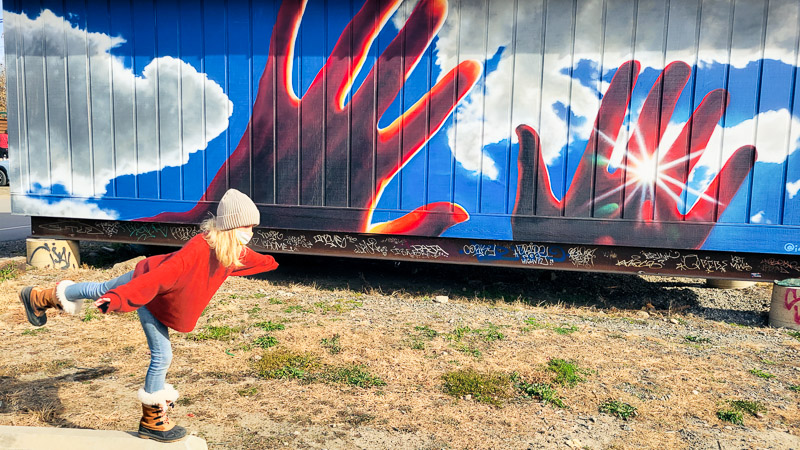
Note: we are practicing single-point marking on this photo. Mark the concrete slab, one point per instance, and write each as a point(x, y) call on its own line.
point(41, 438)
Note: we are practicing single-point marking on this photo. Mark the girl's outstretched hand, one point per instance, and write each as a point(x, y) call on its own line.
point(102, 304)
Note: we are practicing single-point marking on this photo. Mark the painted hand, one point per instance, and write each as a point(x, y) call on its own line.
point(649, 187)
point(320, 151)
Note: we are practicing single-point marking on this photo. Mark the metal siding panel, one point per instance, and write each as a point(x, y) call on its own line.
point(649, 46)
point(102, 118)
point(619, 34)
point(465, 190)
point(312, 57)
point(123, 103)
point(773, 129)
point(748, 21)
point(526, 102)
point(238, 51)
point(363, 149)
point(497, 107)
point(391, 195)
point(264, 15)
point(559, 29)
point(17, 148)
point(683, 37)
point(190, 48)
point(714, 16)
point(146, 85)
point(214, 61)
point(418, 83)
point(35, 111)
point(588, 44)
point(169, 102)
point(791, 206)
point(56, 84)
point(78, 109)
point(337, 139)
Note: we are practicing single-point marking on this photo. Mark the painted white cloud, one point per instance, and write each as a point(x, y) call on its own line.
point(793, 188)
point(157, 119)
point(540, 70)
point(69, 207)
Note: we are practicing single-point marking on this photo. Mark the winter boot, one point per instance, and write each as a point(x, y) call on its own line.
point(37, 300)
point(155, 423)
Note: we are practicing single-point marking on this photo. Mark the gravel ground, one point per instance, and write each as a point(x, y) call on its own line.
point(673, 347)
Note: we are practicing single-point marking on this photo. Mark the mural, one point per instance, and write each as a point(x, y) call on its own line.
point(615, 122)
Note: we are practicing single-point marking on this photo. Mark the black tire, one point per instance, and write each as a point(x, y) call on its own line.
point(3, 178)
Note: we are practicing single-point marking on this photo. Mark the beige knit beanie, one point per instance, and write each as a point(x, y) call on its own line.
point(236, 210)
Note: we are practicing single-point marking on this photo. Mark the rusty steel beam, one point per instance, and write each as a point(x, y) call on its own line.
point(538, 255)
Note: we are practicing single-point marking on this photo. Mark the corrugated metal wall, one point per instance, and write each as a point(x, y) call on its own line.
point(129, 101)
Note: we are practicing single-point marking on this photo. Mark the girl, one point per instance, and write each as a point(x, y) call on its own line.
point(168, 291)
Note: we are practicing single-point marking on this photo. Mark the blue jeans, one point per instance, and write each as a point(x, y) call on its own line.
point(157, 333)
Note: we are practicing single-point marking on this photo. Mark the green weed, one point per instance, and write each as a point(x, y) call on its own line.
point(214, 332)
point(730, 415)
point(566, 373)
point(426, 331)
point(283, 363)
point(8, 272)
point(265, 341)
point(543, 391)
point(489, 387)
point(333, 345)
point(565, 330)
point(296, 308)
point(794, 334)
point(91, 314)
point(353, 375)
point(751, 407)
point(761, 374)
point(259, 295)
point(270, 326)
point(469, 350)
point(696, 339)
point(35, 331)
point(254, 310)
point(275, 301)
point(247, 392)
point(794, 387)
point(619, 409)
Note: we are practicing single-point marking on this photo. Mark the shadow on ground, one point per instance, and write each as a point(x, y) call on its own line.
point(537, 287)
point(40, 397)
point(531, 286)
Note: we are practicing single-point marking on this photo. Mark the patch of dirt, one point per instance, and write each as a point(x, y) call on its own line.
point(673, 348)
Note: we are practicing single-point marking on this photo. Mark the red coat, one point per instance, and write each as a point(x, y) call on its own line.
point(176, 287)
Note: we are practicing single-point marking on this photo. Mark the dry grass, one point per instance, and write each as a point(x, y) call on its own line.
point(86, 373)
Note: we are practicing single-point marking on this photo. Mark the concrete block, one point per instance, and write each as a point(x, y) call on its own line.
point(41, 438)
point(53, 253)
point(784, 309)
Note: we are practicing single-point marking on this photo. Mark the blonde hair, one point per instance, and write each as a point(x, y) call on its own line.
point(226, 246)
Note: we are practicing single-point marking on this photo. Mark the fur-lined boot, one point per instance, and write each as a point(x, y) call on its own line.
point(155, 423)
point(37, 300)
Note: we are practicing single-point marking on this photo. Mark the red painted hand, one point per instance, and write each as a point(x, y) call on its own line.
point(320, 151)
point(648, 187)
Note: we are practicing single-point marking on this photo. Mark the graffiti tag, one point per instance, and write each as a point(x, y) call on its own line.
point(60, 258)
point(779, 265)
point(370, 247)
point(421, 251)
point(708, 265)
point(334, 241)
point(581, 256)
point(793, 303)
